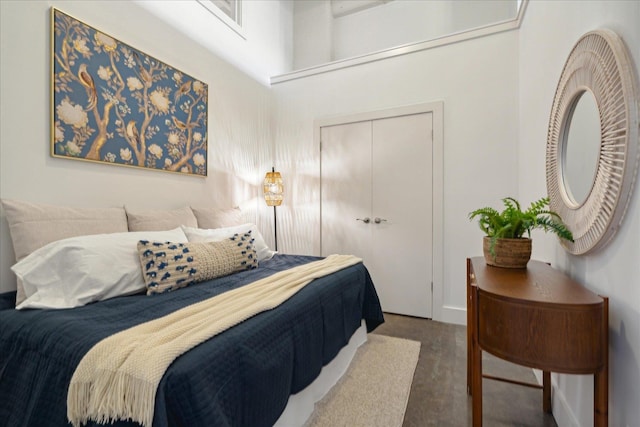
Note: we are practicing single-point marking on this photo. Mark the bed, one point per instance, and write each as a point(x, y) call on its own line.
point(242, 376)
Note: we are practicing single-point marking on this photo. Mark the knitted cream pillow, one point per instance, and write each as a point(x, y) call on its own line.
point(170, 266)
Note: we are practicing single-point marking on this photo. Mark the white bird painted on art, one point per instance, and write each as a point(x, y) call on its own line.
point(132, 132)
point(180, 125)
point(183, 90)
point(87, 81)
point(144, 74)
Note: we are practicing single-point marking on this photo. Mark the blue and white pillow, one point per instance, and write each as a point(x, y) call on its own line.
point(169, 266)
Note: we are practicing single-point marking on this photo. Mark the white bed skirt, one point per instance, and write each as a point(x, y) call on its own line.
point(300, 405)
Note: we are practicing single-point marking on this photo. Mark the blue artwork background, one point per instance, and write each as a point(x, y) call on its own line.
point(114, 104)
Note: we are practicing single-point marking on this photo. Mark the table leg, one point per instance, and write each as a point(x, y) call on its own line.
point(477, 388)
point(470, 327)
point(601, 378)
point(476, 368)
point(601, 400)
point(546, 391)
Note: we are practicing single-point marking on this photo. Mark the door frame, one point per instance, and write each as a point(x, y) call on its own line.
point(436, 108)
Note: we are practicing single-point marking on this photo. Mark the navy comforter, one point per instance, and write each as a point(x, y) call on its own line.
point(241, 377)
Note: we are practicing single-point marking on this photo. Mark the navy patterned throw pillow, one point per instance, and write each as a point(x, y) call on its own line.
point(169, 266)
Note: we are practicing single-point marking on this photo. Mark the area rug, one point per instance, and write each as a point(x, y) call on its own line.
point(375, 390)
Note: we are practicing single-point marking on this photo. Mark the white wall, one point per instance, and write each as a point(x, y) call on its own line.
point(472, 14)
point(264, 46)
point(312, 29)
point(319, 37)
point(239, 125)
point(478, 82)
point(389, 25)
point(407, 21)
point(549, 31)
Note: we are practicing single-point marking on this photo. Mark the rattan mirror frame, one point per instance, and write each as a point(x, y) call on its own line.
point(600, 63)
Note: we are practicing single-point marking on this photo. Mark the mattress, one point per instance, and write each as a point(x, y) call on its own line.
point(241, 377)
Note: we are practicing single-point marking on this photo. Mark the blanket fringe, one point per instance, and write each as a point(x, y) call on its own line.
point(114, 396)
point(76, 406)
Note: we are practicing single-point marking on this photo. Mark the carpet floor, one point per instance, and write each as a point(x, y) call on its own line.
point(375, 389)
point(439, 389)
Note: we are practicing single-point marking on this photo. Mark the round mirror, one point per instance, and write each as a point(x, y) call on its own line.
point(581, 148)
point(592, 142)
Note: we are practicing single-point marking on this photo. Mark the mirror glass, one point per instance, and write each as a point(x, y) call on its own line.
point(581, 148)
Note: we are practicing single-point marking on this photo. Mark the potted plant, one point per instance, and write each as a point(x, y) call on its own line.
point(504, 244)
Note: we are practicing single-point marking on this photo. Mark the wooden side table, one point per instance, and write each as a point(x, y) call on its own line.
point(539, 318)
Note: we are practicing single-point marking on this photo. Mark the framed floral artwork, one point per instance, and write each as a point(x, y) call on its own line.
point(114, 104)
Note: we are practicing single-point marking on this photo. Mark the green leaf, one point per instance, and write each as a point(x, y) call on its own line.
point(512, 222)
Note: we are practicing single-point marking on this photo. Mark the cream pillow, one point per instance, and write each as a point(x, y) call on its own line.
point(79, 270)
point(216, 234)
point(33, 225)
point(158, 220)
point(217, 218)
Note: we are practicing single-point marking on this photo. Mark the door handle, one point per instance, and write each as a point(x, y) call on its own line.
point(366, 220)
point(379, 220)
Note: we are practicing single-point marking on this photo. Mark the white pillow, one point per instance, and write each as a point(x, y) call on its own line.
point(217, 234)
point(79, 270)
point(33, 225)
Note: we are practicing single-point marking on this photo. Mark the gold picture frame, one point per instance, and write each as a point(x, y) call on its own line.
point(111, 103)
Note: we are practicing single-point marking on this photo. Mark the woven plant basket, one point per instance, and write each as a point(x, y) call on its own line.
point(510, 253)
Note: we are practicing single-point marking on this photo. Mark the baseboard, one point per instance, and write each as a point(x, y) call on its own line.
point(562, 412)
point(454, 315)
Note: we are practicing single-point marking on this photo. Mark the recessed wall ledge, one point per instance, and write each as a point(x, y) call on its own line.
point(473, 33)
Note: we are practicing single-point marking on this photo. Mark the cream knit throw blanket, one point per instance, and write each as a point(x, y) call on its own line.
point(118, 378)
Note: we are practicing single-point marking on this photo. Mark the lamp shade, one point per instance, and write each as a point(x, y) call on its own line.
point(273, 189)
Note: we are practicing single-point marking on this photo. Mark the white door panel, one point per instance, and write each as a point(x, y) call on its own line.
point(401, 242)
point(382, 169)
point(346, 189)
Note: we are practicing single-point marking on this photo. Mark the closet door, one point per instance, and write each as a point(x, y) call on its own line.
point(376, 203)
point(346, 189)
point(401, 259)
